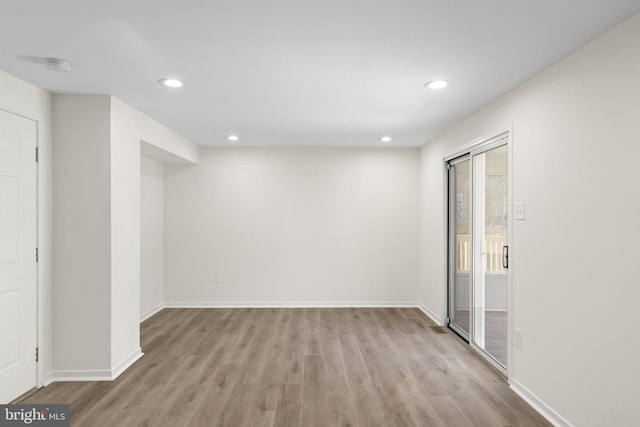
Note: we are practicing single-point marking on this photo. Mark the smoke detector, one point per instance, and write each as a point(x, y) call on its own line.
point(56, 64)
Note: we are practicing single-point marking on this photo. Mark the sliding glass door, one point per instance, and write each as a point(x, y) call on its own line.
point(478, 248)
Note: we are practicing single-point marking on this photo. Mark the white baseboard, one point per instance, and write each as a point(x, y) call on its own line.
point(543, 409)
point(81, 375)
point(98, 375)
point(147, 314)
point(126, 362)
point(461, 307)
point(47, 379)
point(288, 304)
point(431, 314)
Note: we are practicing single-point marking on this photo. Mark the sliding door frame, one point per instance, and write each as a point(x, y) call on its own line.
point(451, 235)
point(477, 146)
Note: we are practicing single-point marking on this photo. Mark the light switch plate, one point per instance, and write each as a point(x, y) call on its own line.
point(517, 338)
point(518, 211)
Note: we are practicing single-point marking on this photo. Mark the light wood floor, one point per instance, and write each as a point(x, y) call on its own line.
point(298, 367)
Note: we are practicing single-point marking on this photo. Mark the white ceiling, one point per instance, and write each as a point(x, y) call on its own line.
point(299, 72)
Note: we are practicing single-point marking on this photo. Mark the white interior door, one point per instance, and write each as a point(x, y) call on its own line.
point(18, 268)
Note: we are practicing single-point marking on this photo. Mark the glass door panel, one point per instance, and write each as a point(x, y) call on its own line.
point(490, 248)
point(460, 246)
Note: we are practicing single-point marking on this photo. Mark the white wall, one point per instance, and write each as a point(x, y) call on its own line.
point(24, 99)
point(293, 226)
point(151, 236)
point(576, 144)
point(81, 233)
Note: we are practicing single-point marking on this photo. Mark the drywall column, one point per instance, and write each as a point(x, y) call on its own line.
point(125, 238)
point(96, 239)
point(97, 231)
point(82, 235)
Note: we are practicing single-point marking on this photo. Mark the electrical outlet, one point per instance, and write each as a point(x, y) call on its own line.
point(517, 338)
point(217, 278)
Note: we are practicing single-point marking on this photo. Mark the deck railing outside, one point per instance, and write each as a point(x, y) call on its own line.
point(492, 250)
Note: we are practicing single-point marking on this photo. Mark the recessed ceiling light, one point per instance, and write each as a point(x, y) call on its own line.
point(56, 64)
point(385, 139)
point(436, 84)
point(171, 82)
point(232, 138)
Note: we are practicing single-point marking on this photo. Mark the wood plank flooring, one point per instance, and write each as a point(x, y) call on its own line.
point(297, 367)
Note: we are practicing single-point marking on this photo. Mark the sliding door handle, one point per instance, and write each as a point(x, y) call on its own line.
point(505, 256)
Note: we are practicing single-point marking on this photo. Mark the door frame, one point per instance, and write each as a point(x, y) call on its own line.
point(451, 269)
point(38, 229)
point(476, 146)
